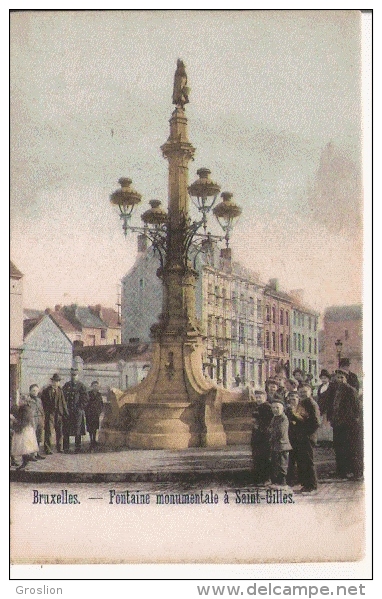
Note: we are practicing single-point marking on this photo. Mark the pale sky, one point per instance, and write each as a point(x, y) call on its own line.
point(269, 90)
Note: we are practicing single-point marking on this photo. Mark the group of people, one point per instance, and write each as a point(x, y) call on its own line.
point(62, 412)
point(286, 421)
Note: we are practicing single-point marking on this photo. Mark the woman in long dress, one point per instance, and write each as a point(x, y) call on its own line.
point(24, 441)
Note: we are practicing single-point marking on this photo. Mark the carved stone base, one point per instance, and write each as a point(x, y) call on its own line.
point(159, 426)
point(176, 407)
point(112, 438)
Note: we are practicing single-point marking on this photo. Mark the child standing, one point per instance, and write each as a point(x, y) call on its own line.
point(279, 441)
point(261, 452)
point(24, 442)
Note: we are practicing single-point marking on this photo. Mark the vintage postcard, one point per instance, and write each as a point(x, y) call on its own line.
point(187, 377)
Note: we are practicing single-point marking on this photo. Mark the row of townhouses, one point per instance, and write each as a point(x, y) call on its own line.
point(252, 330)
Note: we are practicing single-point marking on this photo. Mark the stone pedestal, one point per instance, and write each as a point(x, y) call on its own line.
point(159, 426)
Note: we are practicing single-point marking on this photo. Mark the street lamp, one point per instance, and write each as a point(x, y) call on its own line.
point(175, 406)
point(157, 227)
point(338, 345)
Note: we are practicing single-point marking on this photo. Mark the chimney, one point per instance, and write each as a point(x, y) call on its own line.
point(274, 283)
point(142, 243)
point(57, 307)
point(48, 311)
point(298, 295)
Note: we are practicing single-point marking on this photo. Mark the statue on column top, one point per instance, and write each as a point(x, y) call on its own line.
point(181, 91)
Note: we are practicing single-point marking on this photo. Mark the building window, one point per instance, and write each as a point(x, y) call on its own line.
point(234, 302)
point(281, 343)
point(281, 316)
point(315, 346)
point(251, 306)
point(218, 327)
point(234, 329)
point(310, 346)
point(241, 332)
point(287, 344)
point(294, 317)
point(299, 342)
point(309, 325)
point(310, 365)
point(250, 334)
point(273, 314)
point(268, 313)
point(303, 343)
point(267, 340)
point(103, 333)
point(141, 283)
point(294, 341)
point(294, 363)
point(303, 319)
point(242, 303)
point(287, 318)
point(346, 334)
point(315, 324)
point(259, 338)
point(259, 308)
point(303, 365)
point(299, 362)
point(209, 326)
point(260, 375)
point(273, 341)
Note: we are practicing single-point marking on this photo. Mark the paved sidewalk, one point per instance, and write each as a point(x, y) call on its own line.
point(228, 464)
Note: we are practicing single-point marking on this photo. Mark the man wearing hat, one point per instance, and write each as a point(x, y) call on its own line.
point(308, 417)
point(352, 378)
point(325, 393)
point(76, 398)
point(345, 420)
point(55, 410)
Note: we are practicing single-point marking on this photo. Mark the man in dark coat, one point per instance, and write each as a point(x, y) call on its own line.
point(76, 398)
point(55, 410)
point(325, 394)
point(261, 451)
point(304, 419)
point(345, 420)
point(352, 378)
point(93, 411)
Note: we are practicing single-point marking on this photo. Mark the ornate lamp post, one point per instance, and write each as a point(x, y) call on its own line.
point(338, 345)
point(175, 406)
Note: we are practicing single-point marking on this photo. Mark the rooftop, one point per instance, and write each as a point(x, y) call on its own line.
point(114, 353)
point(14, 272)
point(340, 313)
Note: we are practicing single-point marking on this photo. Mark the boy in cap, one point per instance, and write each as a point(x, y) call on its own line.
point(279, 441)
point(260, 438)
point(271, 387)
point(298, 376)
